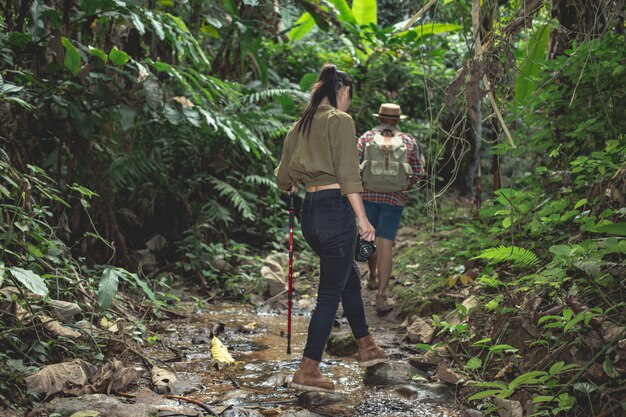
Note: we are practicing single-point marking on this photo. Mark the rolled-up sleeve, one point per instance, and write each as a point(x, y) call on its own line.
point(345, 153)
point(283, 180)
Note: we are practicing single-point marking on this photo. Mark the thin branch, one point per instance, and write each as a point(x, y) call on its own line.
point(418, 15)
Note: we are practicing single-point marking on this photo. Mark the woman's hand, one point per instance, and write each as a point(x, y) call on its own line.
point(366, 230)
point(294, 188)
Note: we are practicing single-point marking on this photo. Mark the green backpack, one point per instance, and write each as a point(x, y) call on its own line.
point(385, 167)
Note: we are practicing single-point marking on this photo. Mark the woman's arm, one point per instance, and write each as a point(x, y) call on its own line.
point(366, 230)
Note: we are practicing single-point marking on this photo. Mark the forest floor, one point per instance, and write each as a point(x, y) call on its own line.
point(197, 382)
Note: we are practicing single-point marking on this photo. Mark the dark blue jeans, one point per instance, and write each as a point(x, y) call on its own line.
point(329, 227)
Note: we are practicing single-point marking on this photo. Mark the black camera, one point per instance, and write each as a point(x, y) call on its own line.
point(364, 250)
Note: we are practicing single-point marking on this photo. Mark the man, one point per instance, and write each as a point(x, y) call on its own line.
point(385, 150)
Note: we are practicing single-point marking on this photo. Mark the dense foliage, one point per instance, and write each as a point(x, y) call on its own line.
point(138, 143)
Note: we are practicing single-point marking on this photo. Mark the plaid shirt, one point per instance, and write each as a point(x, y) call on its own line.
point(398, 198)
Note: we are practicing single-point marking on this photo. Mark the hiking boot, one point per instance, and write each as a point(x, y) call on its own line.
point(384, 304)
point(369, 352)
point(309, 378)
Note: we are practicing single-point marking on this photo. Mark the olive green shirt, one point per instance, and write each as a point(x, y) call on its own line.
point(328, 155)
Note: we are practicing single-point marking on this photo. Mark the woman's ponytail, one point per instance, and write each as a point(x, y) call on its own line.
point(329, 83)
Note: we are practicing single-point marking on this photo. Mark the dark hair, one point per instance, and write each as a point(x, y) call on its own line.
point(331, 80)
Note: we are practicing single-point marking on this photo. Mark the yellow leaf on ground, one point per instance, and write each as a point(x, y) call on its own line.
point(466, 279)
point(451, 281)
point(220, 352)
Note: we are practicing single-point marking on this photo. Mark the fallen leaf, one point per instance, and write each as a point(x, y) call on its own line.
point(53, 378)
point(220, 352)
point(508, 408)
point(65, 310)
point(147, 396)
point(162, 378)
point(419, 331)
point(57, 329)
point(111, 376)
point(445, 374)
point(466, 279)
point(470, 302)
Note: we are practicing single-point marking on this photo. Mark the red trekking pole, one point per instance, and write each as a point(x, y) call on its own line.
point(290, 287)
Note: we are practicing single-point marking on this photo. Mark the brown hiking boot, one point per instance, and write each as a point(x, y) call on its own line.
point(309, 378)
point(369, 352)
point(384, 304)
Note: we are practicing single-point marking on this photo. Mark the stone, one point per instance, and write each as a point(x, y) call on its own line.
point(99, 405)
point(320, 399)
point(241, 412)
point(390, 374)
point(342, 345)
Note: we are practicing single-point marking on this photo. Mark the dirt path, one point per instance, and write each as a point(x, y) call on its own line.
point(257, 383)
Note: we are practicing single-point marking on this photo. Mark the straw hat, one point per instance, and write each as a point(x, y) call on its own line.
point(390, 111)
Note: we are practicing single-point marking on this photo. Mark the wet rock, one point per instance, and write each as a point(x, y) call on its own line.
point(101, 404)
point(301, 413)
point(390, 374)
point(201, 339)
point(408, 391)
point(384, 407)
point(320, 399)
point(436, 393)
point(276, 380)
point(182, 387)
point(470, 413)
point(241, 412)
point(342, 345)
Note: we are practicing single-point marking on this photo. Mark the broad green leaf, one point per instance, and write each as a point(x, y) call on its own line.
point(230, 7)
point(618, 229)
point(72, 58)
point(30, 280)
point(498, 348)
point(580, 203)
point(302, 26)
point(527, 378)
point(607, 366)
point(533, 60)
point(98, 53)
point(474, 363)
point(108, 288)
point(220, 352)
point(430, 29)
point(141, 28)
point(585, 387)
point(307, 81)
point(364, 11)
point(484, 394)
point(345, 13)
point(118, 57)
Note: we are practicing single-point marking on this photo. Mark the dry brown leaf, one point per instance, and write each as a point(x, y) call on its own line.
point(470, 302)
point(147, 396)
point(53, 378)
point(112, 376)
point(64, 310)
point(161, 378)
point(445, 374)
point(419, 331)
point(57, 329)
point(508, 408)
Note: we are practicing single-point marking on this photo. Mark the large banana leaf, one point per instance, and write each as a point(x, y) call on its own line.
point(364, 11)
point(430, 29)
point(533, 58)
point(302, 26)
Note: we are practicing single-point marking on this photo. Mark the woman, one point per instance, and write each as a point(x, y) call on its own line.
point(320, 152)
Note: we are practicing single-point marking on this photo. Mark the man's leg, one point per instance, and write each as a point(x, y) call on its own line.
point(389, 221)
point(383, 303)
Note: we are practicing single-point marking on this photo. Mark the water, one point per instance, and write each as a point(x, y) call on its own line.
point(256, 384)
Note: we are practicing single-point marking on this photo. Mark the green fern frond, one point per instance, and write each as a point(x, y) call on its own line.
point(259, 180)
point(234, 196)
point(273, 92)
point(215, 213)
point(513, 254)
